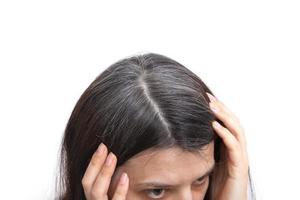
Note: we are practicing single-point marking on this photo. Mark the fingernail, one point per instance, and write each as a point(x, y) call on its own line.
point(109, 159)
point(211, 97)
point(216, 124)
point(124, 178)
point(100, 148)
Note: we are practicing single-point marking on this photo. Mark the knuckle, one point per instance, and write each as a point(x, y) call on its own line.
point(118, 196)
point(235, 145)
point(219, 104)
point(224, 117)
point(104, 173)
point(95, 194)
point(223, 128)
point(85, 183)
point(231, 120)
point(95, 159)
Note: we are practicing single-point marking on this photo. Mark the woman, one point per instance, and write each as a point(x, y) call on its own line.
point(148, 128)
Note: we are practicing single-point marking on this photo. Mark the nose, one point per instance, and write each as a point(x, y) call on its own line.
point(185, 194)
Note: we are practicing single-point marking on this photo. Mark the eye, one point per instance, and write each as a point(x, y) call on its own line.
point(156, 193)
point(201, 182)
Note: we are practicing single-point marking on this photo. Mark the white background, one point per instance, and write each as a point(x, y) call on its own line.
point(247, 52)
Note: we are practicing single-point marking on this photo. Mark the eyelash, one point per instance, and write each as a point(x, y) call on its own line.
point(200, 183)
point(151, 190)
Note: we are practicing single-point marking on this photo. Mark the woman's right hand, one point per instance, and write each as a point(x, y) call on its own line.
point(97, 177)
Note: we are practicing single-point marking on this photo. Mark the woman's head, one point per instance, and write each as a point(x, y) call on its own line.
point(170, 173)
point(145, 108)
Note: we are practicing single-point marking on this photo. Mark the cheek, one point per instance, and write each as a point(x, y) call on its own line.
point(199, 193)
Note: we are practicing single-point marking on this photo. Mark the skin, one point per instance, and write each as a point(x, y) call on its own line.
point(169, 166)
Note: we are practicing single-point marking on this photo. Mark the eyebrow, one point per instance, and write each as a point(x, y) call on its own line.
point(164, 185)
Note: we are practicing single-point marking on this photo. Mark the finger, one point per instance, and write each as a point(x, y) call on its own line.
point(122, 188)
point(103, 179)
point(94, 168)
point(218, 105)
point(229, 140)
point(236, 153)
point(221, 104)
point(227, 117)
point(234, 126)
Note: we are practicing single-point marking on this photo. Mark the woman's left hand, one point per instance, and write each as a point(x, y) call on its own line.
point(235, 185)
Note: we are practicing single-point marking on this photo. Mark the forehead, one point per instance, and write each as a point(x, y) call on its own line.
point(172, 164)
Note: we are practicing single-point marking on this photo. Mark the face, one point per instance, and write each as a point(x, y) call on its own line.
point(167, 174)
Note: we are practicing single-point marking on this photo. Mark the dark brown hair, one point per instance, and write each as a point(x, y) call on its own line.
point(139, 102)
